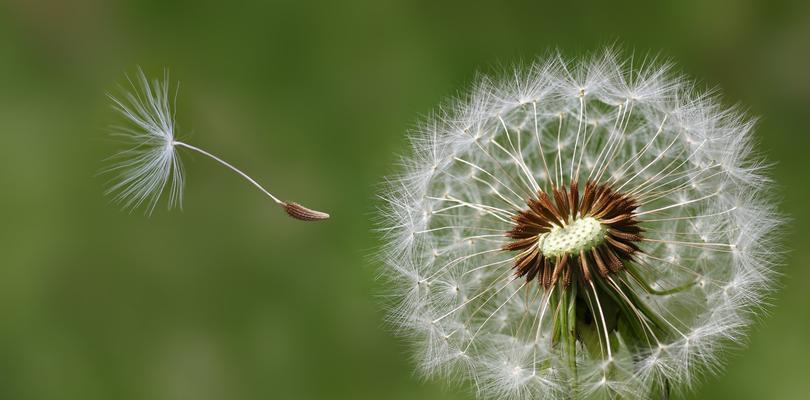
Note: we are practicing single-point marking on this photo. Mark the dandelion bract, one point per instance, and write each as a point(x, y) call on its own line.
point(151, 164)
point(588, 229)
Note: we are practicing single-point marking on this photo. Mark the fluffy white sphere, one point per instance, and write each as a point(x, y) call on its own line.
point(686, 284)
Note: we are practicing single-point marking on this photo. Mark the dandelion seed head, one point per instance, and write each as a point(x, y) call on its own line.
point(594, 227)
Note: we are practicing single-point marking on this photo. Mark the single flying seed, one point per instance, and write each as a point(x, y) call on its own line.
point(151, 164)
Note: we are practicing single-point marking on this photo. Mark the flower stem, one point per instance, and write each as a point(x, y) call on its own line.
point(570, 335)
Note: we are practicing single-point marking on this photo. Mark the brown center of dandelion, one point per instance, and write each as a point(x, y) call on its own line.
point(571, 236)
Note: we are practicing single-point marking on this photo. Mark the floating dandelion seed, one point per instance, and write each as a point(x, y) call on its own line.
point(151, 164)
point(583, 231)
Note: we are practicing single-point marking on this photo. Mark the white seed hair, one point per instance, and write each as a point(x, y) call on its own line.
point(705, 204)
point(144, 170)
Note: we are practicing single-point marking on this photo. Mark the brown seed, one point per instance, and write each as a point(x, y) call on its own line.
point(302, 213)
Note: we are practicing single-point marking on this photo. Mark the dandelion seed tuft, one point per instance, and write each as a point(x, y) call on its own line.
point(605, 229)
point(151, 163)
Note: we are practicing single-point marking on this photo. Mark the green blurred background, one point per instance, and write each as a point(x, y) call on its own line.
point(230, 299)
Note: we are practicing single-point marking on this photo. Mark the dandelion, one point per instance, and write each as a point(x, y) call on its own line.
point(590, 230)
point(151, 164)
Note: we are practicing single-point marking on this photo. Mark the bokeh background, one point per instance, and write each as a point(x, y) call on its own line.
point(230, 299)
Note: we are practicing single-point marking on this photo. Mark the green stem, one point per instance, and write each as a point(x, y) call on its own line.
point(562, 317)
point(571, 334)
point(555, 321)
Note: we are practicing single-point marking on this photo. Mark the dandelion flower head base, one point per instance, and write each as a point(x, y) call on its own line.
point(581, 234)
point(570, 235)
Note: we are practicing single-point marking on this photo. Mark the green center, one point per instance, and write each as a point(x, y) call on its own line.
point(582, 234)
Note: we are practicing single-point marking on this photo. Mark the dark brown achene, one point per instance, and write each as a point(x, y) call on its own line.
point(302, 213)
